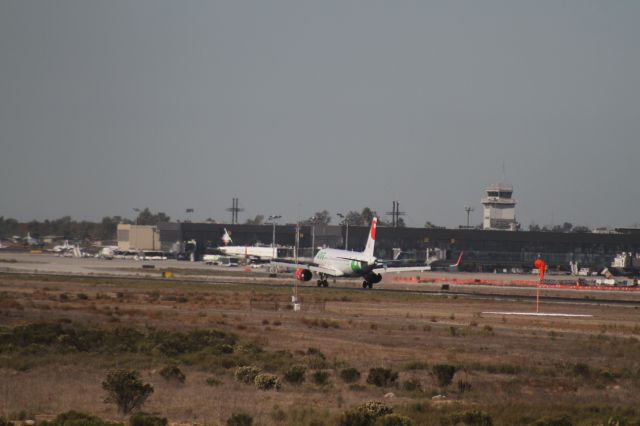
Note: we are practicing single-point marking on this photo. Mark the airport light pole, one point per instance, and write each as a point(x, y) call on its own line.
point(313, 236)
point(468, 209)
point(137, 210)
point(273, 220)
point(345, 220)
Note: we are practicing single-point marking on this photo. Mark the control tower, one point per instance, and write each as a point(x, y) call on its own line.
point(499, 208)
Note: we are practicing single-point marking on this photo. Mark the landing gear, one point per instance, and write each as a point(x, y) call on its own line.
point(366, 284)
point(322, 282)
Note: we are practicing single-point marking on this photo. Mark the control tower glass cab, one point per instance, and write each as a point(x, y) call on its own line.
point(499, 208)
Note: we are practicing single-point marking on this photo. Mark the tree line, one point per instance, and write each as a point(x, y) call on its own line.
point(70, 229)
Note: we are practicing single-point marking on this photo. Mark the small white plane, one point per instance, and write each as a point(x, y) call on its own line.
point(345, 263)
point(61, 248)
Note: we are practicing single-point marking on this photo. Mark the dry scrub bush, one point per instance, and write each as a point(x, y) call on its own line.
point(172, 373)
point(443, 374)
point(365, 414)
point(74, 418)
point(295, 374)
point(267, 382)
point(144, 419)
point(382, 377)
point(246, 374)
point(320, 377)
point(350, 375)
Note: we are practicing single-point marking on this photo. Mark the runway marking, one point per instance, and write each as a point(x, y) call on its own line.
point(539, 314)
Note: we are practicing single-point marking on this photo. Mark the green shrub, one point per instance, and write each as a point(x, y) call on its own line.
point(581, 369)
point(295, 374)
point(555, 421)
point(144, 419)
point(212, 381)
point(393, 420)
point(246, 374)
point(126, 390)
point(5, 422)
point(320, 377)
point(365, 414)
point(350, 375)
point(472, 418)
point(240, 419)
point(382, 377)
point(267, 382)
point(173, 373)
point(444, 374)
point(412, 385)
point(75, 418)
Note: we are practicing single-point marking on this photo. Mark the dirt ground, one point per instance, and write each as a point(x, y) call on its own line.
point(502, 360)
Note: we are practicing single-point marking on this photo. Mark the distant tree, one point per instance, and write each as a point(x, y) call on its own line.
point(534, 227)
point(368, 215)
point(400, 223)
point(354, 218)
point(319, 218)
point(258, 220)
point(145, 217)
point(429, 225)
point(566, 227)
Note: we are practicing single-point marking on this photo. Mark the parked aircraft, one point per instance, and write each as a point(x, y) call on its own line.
point(61, 248)
point(29, 240)
point(345, 263)
point(439, 266)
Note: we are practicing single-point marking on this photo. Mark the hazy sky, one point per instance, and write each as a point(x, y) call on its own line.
point(295, 107)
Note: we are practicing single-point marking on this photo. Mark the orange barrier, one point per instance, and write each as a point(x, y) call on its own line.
point(510, 283)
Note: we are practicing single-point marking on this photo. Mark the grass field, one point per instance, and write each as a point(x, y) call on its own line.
point(59, 337)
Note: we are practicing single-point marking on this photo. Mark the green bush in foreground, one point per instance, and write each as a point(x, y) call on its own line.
point(267, 382)
point(126, 390)
point(75, 418)
point(320, 377)
point(144, 419)
point(5, 422)
point(393, 420)
point(246, 374)
point(295, 374)
point(444, 374)
point(172, 373)
point(473, 417)
point(350, 375)
point(366, 414)
point(382, 377)
point(240, 419)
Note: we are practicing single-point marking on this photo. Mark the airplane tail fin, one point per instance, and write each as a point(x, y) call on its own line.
point(226, 238)
point(459, 259)
point(371, 241)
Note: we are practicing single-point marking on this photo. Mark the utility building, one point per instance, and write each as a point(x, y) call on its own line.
point(499, 208)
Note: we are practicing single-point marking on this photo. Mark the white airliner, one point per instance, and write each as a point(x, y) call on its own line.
point(344, 263)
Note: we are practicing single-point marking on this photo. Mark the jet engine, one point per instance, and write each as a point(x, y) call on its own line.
point(373, 278)
point(303, 274)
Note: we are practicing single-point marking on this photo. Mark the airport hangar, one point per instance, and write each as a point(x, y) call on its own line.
point(484, 250)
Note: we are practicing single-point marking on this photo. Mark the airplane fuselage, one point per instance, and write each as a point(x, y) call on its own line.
point(344, 262)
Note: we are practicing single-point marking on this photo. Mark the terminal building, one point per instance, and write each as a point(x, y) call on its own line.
point(484, 250)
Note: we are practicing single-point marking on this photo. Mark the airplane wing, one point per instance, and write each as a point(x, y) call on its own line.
point(382, 269)
point(310, 266)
